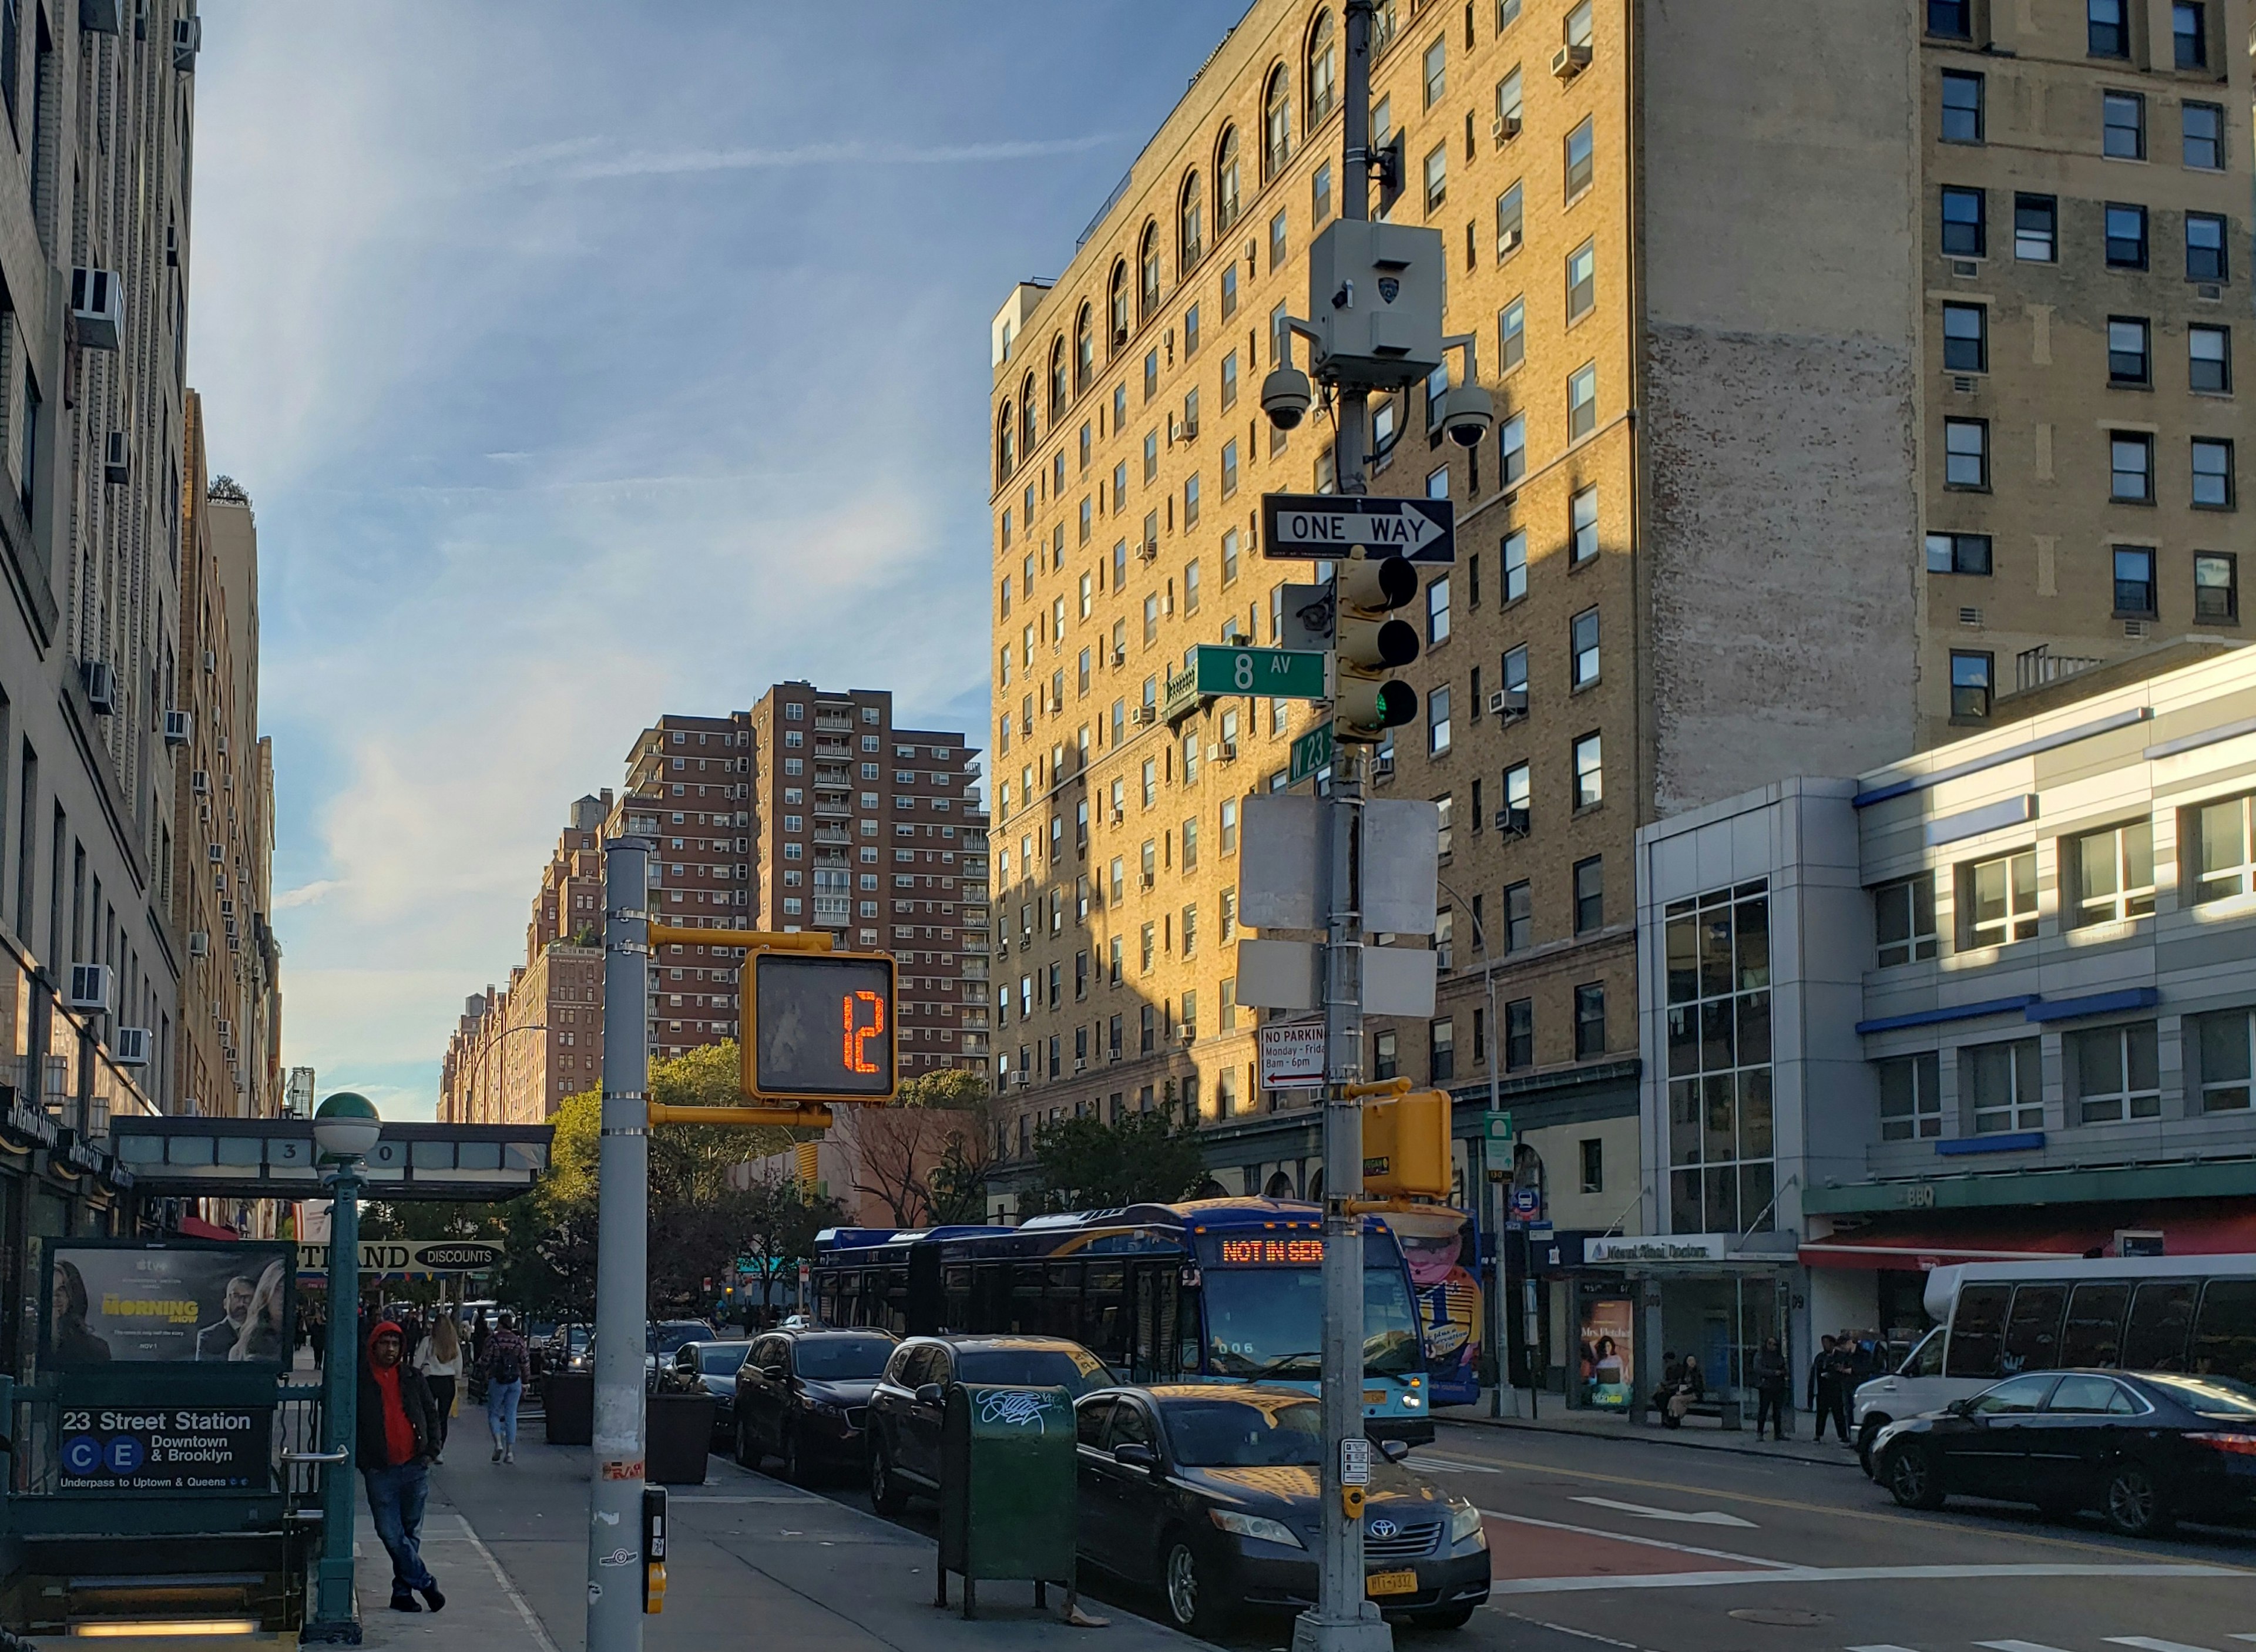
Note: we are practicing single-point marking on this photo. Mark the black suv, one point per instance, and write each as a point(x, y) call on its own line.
point(906, 1407)
point(801, 1396)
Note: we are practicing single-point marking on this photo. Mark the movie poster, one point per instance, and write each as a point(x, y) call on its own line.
point(1609, 1362)
point(148, 1304)
point(1444, 1253)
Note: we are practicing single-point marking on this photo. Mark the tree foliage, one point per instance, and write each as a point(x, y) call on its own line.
point(1086, 1164)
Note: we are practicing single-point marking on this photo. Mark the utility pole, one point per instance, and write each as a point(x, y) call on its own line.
point(615, 1556)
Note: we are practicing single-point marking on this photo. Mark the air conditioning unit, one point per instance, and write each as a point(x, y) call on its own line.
point(1190, 430)
point(1080, 1065)
point(97, 307)
point(101, 687)
point(1512, 822)
point(222, 746)
point(1148, 879)
point(1119, 336)
point(1141, 714)
point(1148, 551)
point(188, 40)
point(178, 726)
point(200, 943)
point(1019, 1080)
point(1113, 1056)
point(1570, 61)
point(1118, 815)
point(117, 458)
point(200, 782)
point(129, 1046)
point(1223, 751)
point(1508, 703)
point(1507, 242)
point(101, 16)
point(90, 987)
point(1505, 128)
point(1186, 1035)
point(2134, 628)
point(1119, 656)
point(1383, 764)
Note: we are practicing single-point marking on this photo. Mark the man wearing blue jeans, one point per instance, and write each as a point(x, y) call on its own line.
point(507, 1362)
point(396, 1437)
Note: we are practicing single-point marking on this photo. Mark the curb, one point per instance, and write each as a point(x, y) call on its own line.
point(1655, 1437)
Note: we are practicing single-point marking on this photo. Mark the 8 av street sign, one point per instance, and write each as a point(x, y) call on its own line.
point(1284, 674)
point(1326, 526)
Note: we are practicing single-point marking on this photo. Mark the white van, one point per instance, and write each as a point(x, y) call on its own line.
point(2135, 1313)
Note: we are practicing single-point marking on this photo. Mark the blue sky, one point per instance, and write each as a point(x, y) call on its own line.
point(585, 361)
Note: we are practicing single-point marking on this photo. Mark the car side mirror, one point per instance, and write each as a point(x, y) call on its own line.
point(1136, 1455)
point(931, 1393)
point(1960, 1407)
point(775, 1372)
point(1394, 1451)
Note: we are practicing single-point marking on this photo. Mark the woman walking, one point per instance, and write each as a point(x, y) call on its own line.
point(439, 1357)
point(505, 1362)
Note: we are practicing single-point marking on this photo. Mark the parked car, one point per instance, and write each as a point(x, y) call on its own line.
point(567, 1349)
point(1210, 1495)
point(905, 1406)
point(2143, 1448)
point(712, 1366)
point(804, 1396)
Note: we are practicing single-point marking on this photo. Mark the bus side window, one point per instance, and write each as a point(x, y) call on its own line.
point(2224, 1334)
point(1977, 1332)
point(991, 1296)
point(2033, 1328)
point(1025, 1310)
point(2161, 1313)
point(2094, 1333)
point(1101, 1319)
point(955, 1297)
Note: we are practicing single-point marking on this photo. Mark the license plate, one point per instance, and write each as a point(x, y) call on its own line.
point(1391, 1583)
point(1374, 1396)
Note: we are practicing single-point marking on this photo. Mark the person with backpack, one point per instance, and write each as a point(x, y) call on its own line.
point(505, 1363)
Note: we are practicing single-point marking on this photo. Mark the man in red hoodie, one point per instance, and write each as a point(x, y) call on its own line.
point(397, 1434)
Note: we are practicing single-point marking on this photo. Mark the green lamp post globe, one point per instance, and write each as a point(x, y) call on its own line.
point(346, 1127)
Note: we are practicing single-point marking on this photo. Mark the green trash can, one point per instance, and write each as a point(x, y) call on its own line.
point(1009, 1503)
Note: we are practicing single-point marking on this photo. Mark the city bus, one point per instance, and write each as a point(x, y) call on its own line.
point(1215, 1290)
point(1442, 1245)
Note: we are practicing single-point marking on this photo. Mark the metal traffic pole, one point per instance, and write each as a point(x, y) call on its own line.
point(615, 1606)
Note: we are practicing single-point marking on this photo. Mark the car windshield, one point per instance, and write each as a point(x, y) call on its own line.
point(1268, 1322)
point(2211, 1396)
point(841, 1358)
point(1247, 1433)
point(721, 1358)
point(667, 1337)
point(1074, 1369)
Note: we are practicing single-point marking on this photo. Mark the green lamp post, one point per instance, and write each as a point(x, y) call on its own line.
point(346, 1127)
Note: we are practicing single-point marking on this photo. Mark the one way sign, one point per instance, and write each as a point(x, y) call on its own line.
point(1326, 526)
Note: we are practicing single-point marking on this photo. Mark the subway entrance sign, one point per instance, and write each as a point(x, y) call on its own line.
point(1282, 674)
point(819, 1025)
point(1328, 527)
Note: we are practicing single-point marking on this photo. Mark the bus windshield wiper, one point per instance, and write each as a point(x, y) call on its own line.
point(1278, 1364)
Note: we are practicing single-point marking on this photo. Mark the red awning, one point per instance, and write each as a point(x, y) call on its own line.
point(196, 1228)
point(2188, 1227)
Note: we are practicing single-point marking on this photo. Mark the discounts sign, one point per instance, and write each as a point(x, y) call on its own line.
point(115, 1448)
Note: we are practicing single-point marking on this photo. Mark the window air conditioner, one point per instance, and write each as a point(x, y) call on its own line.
point(1570, 61)
point(117, 458)
point(101, 16)
point(200, 943)
point(1383, 764)
point(178, 726)
point(1512, 822)
point(97, 307)
point(90, 987)
point(1190, 429)
point(1148, 879)
point(1119, 656)
point(1118, 815)
point(1223, 751)
point(101, 687)
point(1080, 1065)
point(1186, 1034)
point(129, 1046)
point(1019, 1080)
point(188, 40)
point(227, 1032)
point(1507, 242)
point(217, 852)
point(200, 782)
point(1141, 714)
point(1508, 703)
point(211, 660)
point(1505, 128)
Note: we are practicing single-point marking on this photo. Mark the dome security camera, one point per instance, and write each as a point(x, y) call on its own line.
point(1467, 413)
point(1286, 396)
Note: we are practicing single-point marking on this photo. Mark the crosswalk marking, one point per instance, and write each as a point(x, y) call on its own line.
point(2017, 1645)
point(2146, 1643)
point(1878, 1645)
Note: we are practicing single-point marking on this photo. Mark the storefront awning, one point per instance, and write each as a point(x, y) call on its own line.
point(2188, 1227)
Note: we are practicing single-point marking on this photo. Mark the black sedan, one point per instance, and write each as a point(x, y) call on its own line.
point(1210, 1495)
point(712, 1366)
point(804, 1396)
point(906, 1406)
point(2144, 1448)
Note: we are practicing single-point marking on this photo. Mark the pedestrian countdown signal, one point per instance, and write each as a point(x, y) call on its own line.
point(819, 1025)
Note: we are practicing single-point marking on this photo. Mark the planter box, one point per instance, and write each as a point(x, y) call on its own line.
point(568, 1404)
point(680, 1432)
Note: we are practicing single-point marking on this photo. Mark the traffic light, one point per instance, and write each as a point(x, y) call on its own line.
point(1405, 1146)
point(1367, 704)
point(818, 1027)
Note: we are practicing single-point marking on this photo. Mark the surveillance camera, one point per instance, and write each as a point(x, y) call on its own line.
point(1286, 396)
point(1468, 412)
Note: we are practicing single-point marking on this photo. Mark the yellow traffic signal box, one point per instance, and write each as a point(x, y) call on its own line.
point(1405, 1146)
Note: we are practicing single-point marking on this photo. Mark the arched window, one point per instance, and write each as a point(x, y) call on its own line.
point(1118, 303)
point(1057, 379)
point(1190, 218)
point(1148, 273)
point(1226, 193)
point(1323, 71)
point(1006, 453)
point(1026, 429)
point(1276, 123)
point(1084, 349)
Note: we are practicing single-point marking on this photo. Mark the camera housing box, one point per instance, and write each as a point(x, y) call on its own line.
point(1375, 302)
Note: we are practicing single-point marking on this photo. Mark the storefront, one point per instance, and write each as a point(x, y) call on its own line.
point(1639, 1305)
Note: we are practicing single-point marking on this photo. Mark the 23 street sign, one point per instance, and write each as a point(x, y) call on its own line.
point(1326, 526)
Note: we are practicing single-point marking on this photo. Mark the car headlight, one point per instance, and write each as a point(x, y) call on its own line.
point(1269, 1531)
point(1465, 1521)
point(1410, 1402)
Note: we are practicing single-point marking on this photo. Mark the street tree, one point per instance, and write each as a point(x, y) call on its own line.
point(775, 1222)
point(1085, 1163)
point(924, 1158)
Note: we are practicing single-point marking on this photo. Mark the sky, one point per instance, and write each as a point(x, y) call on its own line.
point(587, 361)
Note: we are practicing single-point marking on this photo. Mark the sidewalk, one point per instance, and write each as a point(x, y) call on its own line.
point(1699, 1433)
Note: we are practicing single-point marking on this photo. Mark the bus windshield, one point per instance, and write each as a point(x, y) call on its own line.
point(1263, 1323)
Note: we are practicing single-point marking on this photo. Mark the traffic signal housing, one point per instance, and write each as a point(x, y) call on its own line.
point(817, 1026)
point(1406, 1147)
point(1366, 702)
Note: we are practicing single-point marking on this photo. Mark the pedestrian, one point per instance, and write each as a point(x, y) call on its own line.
point(398, 1435)
point(439, 1357)
point(1846, 1378)
point(1824, 1382)
point(1772, 1382)
point(479, 1332)
point(505, 1362)
point(1690, 1386)
point(317, 1326)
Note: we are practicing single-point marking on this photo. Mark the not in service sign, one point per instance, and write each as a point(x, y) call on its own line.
point(205, 1448)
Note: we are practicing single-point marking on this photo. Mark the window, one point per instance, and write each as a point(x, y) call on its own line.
point(2212, 474)
point(2131, 476)
point(1911, 1099)
point(1577, 28)
point(1965, 338)
point(1437, 610)
point(2107, 28)
point(1519, 918)
point(1962, 108)
point(1590, 771)
point(1437, 720)
point(1518, 792)
point(1229, 291)
point(1514, 551)
point(2126, 237)
point(1229, 826)
point(1229, 471)
point(1903, 920)
point(2117, 1077)
point(2216, 587)
point(1436, 67)
point(2204, 246)
point(2122, 126)
point(1581, 158)
point(2224, 1043)
point(2225, 865)
point(1512, 442)
point(1190, 239)
point(2134, 581)
point(1966, 453)
point(1583, 648)
point(2114, 873)
point(1277, 241)
point(1958, 552)
point(1999, 899)
point(1385, 1055)
point(1953, 19)
point(1191, 501)
point(1437, 176)
point(2128, 361)
point(1511, 223)
point(1509, 104)
point(1964, 235)
point(2208, 358)
point(2188, 35)
point(1511, 335)
point(2036, 228)
point(1147, 285)
point(1582, 280)
point(2003, 1087)
point(1589, 1021)
point(1970, 685)
point(1590, 894)
point(1384, 431)
point(1320, 195)
point(2204, 136)
point(1582, 401)
point(1442, 1045)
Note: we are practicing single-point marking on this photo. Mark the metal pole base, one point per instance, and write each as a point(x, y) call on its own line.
point(330, 1632)
point(1369, 1633)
